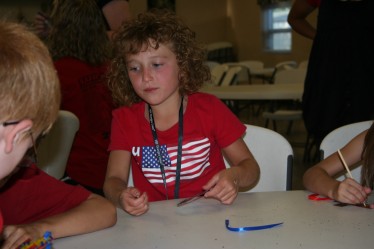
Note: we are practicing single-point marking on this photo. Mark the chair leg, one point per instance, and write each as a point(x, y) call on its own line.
point(317, 156)
point(311, 142)
point(289, 127)
point(249, 76)
point(306, 157)
point(259, 108)
point(274, 125)
point(252, 109)
point(266, 123)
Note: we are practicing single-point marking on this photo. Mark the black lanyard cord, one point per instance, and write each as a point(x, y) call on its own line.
point(158, 150)
point(179, 157)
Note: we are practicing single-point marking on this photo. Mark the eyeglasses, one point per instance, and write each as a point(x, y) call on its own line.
point(34, 155)
point(31, 153)
point(10, 123)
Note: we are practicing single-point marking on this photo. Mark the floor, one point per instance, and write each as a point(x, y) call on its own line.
point(297, 139)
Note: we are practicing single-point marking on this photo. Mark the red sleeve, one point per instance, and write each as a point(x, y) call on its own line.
point(1, 222)
point(118, 131)
point(314, 3)
point(126, 121)
point(228, 128)
point(31, 195)
point(219, 119)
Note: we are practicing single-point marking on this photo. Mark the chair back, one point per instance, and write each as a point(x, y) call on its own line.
point(53, 150)
point(274, 155)
point(130, 181)
point(231, 76)
point(290, 76)
point(218, 73)
point(284, 65)
point(338, 138)
point(221, 51)
point(211, 64)
point(303, 64)
point(248, 67)
point(252, 64)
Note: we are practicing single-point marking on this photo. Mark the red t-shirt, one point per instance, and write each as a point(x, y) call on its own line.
point(85, 93)
point(1, 223)
point(31, 195)
point(208, 127)
point(314, 3)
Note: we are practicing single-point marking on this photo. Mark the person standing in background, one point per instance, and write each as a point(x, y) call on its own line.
point(81, 51)
point(339, 83)
point(297, 17)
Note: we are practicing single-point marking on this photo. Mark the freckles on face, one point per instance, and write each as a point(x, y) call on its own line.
point(153, 70)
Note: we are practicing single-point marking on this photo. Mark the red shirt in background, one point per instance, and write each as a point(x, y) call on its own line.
point(314, 3)
point(1, 223)
point(85, 93)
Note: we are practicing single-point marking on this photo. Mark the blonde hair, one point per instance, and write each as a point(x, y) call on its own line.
point(29, 86)
point(161, 27)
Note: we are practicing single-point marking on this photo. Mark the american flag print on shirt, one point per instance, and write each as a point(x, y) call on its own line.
point(195, 159)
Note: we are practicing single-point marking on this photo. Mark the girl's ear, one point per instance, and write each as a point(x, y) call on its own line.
point(15, 132)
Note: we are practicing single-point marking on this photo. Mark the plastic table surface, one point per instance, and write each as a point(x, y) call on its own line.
point(201, 224)
point(257, 91)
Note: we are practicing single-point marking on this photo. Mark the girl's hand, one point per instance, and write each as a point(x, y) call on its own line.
point(351, 192)
point(14, 236)
point(223, 187)
point(133, 202)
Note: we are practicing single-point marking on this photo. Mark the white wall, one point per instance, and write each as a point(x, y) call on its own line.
point(237, 21)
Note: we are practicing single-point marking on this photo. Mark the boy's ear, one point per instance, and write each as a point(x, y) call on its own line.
point(15, 132)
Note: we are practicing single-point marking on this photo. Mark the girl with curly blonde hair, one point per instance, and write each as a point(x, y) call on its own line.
point(171, 135)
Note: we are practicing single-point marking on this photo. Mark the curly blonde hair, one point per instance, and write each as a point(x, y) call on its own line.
point(150, 30)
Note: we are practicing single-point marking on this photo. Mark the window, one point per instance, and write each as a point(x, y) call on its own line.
point(277, 33)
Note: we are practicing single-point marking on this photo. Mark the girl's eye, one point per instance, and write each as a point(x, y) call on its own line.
point(133, 69)
point(157, 64)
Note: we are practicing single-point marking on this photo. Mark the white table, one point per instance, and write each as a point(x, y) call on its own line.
point(201, 225)
point(257, 91)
